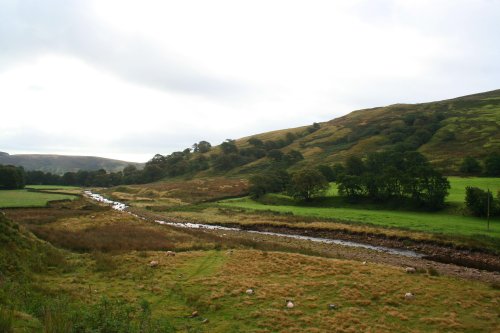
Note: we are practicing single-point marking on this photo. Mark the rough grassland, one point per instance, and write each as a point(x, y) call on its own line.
point(24, 198)
point(369, 297)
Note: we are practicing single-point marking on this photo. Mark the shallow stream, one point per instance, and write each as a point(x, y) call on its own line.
point(122, 207)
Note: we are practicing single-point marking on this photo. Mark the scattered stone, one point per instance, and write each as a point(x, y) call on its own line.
point(364, 262)
point(409, 296)
point(249, 291)
point(204, 321)
point(410, 270)
point(289, 304)
point(332, 306)
point(153, 263)
point(170, 254)
point(194, 314)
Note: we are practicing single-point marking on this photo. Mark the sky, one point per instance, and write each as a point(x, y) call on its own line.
point(129, 79)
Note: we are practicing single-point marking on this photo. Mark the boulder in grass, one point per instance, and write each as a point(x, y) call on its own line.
point(170, 254)
point(154, 263)
point(289, 304)
point(409, 296)
point(249, 291)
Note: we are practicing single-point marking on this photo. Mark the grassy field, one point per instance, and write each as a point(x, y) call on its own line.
point(450, 222)
point(100, 290)
point(458, 185)
point(25, 198)
point(52, 187)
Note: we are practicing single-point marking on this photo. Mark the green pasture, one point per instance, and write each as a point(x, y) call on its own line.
point(52, 187)
point(25, 198)
point(458, 185)
point(451, 222)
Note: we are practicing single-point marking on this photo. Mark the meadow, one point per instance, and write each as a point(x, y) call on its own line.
point(26, 198)
point(109, 285)
point(451, 221)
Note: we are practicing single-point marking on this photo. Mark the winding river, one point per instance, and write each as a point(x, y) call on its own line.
point(122, 207)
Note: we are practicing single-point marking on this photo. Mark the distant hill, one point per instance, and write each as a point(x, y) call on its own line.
point(60, 164)
point(444, 131)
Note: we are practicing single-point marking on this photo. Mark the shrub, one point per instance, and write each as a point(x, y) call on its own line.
point(478, 200)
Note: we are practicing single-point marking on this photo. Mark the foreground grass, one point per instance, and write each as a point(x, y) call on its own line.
point(25, 198)
point(109, 283)
point(213, 283)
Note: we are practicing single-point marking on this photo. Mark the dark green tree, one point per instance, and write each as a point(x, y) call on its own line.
point(477, 201)
point(470, 165)
point(307, 183)
point(229, 147)
point(492, 165)
point(12, 177)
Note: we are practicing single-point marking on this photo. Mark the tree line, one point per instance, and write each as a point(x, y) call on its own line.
point(12, 177)
point(490, 166)
point(381, 177)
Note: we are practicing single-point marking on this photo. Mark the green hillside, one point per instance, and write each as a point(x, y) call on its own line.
point(444, 131)
point(60, 164)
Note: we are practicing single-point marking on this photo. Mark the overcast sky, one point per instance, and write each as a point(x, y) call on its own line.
point(128, 79)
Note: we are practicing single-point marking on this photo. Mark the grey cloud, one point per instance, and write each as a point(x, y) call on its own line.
point(36, 140)
point(30, 28)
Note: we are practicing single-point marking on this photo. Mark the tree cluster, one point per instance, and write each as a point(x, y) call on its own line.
point(303, 184)
point(12, 177)
point(481, 203)
point(472, 166)
point(394, 176)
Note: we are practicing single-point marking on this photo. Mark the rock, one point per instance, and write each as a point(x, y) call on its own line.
point(249, 291)
point(409, 296)
point(170, 254)
point(364, 262)
point(332, 306)
point(289, 304)
point(204, 321)
point(410, 270)
point(194, 314)
point(153, 263)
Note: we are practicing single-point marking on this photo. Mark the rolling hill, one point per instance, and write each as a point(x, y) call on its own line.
point(444, 131)
point(60, 164)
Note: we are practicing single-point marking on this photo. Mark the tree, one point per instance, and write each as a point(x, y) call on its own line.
point(229, 147)
point(307, 183)
point(327, 171)
point(477, 201)
point(492, 165)
point(202, 147)
point(293, 156)
point(354, 166)
point(256, 142)
point(275, 154)
point(470, 165)
point(12, 177)
point(272, 181)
